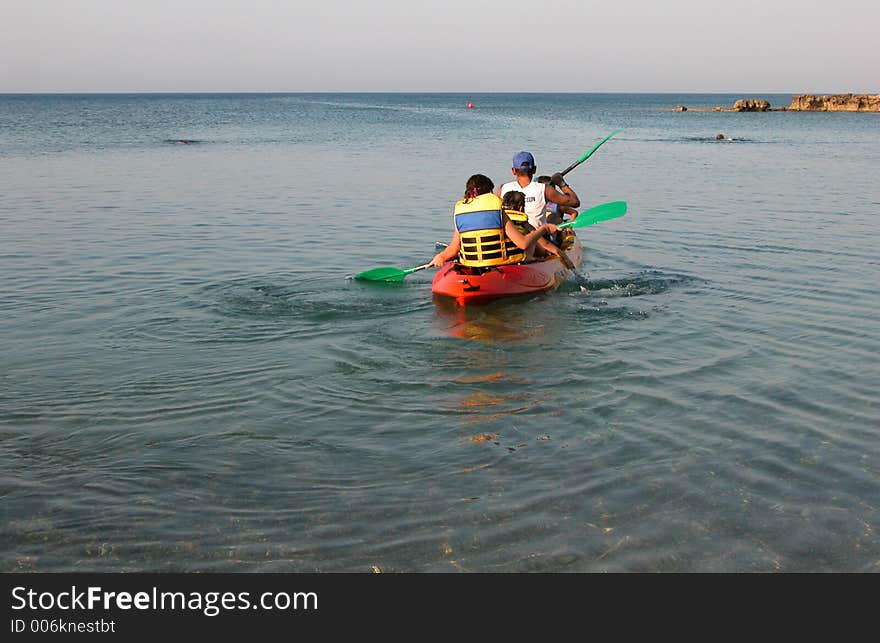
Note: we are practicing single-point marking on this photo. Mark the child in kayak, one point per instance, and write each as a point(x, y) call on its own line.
point(514, 206)
point(478, 211)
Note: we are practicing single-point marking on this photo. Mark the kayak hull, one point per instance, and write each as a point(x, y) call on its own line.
point(474, 286)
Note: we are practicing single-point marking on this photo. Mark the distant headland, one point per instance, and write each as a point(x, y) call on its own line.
point(800, 103)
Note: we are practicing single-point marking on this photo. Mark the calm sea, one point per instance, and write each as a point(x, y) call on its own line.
point(190, 380)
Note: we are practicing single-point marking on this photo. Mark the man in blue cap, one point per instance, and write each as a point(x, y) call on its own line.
point(538, 194)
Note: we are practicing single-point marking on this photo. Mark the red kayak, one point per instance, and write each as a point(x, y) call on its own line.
point(469, 285)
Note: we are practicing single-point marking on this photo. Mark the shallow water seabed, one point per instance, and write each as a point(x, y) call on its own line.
point(190, 382)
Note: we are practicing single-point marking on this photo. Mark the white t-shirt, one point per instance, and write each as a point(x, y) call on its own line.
point(536, 205)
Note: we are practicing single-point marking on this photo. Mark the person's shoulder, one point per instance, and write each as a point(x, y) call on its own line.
point(488, 199)
point(492, 199)
point(511, 185)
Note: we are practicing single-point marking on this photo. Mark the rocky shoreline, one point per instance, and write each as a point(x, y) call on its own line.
point(800, 103)
point(835, 103)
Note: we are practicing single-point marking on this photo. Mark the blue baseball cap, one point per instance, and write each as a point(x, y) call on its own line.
point(523, 161)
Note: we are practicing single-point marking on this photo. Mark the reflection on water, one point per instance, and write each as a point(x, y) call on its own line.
point(472, 379)
point(481, 407)
point(526, 318)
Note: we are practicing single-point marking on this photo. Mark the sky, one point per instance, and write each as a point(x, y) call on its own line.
point(476, 46)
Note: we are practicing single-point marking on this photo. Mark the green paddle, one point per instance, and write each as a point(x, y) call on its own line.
point(588, 154)
point(389, 274)
point(603, 212)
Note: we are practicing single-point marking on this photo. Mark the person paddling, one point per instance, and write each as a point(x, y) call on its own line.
point(538, 194)
point(484, 235)
point(556, 212)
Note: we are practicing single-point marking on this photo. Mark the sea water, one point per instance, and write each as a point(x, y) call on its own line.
point(191, 381)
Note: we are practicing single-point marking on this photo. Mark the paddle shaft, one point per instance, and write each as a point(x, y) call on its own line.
point(417, 268)
point(588, 154)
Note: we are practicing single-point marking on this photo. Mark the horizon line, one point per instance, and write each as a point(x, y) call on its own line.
point(456, 92)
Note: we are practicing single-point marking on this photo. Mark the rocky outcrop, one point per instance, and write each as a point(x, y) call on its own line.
point(742, 105)
point(751, 105)
point(835, 103)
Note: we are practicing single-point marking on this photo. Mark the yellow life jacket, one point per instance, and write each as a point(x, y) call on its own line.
point(520, 220)
point(480, 228)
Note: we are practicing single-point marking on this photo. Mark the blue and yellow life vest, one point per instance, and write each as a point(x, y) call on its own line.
point(480, 228)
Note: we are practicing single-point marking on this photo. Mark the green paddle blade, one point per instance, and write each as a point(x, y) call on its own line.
point(388, 273)
point(603, 212)
point(383, 274)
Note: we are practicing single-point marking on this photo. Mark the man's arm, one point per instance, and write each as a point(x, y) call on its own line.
point(566, 197)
